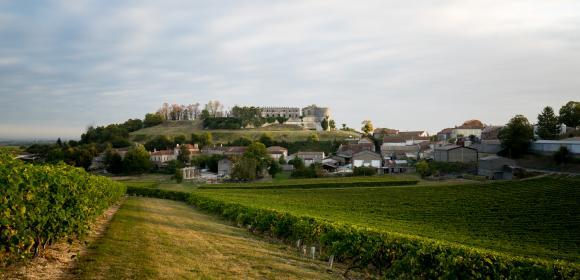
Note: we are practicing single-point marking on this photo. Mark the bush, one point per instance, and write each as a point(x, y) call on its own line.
point(364, 171)
point(562, 155)
point(44, 203)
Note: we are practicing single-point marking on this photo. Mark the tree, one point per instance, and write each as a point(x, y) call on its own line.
point(113, 162)
point(274, 168)
point(214, 108)
point(245, 168)
point(516, 136)
point(178, 176)
point(160, 142)
point(258, 152)
point(205, 139)
point(266, 139)
point(343, 126)
point(281, 120)
point(324, 124)
point(179, 139)
point(133, 124)
point(423, 169)
point(282, 160)
point(297, 163)
point(59, 142)
point(365, 171)
point(367, 126)
point(548, 125)
point(184, 155)
point(136, 160)
point(152, 120)
point(242, 141)
point(332, 124)
point(570, 114)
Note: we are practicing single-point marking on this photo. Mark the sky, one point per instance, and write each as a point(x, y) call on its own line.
point(409, 65)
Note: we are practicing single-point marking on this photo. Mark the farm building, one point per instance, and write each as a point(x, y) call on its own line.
point(496, 168)
point(367, 158)
point(454, 153)
point(488, 146)
point(549, 147)
point(395, 166)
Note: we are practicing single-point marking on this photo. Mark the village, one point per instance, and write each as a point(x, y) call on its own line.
point(471, 149)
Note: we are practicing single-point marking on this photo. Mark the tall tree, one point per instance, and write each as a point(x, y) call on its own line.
point(136, 160)
point(516, 136)
point(548, 124)
point(570, 114)
point(184, 155)
point(367, 126)
point(214, 108)
point(324, 124)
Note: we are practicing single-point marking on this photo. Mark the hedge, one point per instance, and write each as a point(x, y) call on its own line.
point(320, 185)
point(393, 256)
point(41, 204)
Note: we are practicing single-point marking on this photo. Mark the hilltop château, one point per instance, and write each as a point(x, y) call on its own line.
point(309, 117)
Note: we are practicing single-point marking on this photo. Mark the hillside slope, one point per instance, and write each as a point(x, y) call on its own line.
point(287, 133)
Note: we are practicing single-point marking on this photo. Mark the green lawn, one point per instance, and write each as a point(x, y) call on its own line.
point(533, 218)
point(163, 239)
point(278, 133)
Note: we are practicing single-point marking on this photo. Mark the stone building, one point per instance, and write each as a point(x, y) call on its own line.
point(313, 115)
point(292, 113)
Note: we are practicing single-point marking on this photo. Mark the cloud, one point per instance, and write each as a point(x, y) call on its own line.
point(407, 65)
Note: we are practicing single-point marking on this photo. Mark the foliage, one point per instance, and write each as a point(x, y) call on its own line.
point(281, 120)
point(324, 123)
point(570, 114)
point(548, 124)
point(364, 171)
point(332, 124)
point(245, 168)
point(179, 139)
point(282, 160)
point(248, 116)
point(367, 127)
point(297, 163)
point(326, 182)
point(284, 214)
point(113, 162)
point(160, 142)
point(222, 123)
point(203, 139)
point(242, 141)
point(184, 155)
point(136, 160)
point(516, 136)
point(313, 138)
point(178, 112)
point(423, 169)
point(266, 139)
point(173, 166)
point(562, 155)
point(315, 170)
point(42, 204)
point(207, 161)
point(116, 134)
point(152, 120)
point(133, 124)
point(274, 168)
point(443, 168)
point(178, 176)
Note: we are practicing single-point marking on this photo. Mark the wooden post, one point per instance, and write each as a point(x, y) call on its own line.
point(330, 261)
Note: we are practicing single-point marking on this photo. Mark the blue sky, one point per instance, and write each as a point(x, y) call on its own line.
point(65, 65)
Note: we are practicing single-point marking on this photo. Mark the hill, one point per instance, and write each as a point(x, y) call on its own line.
point(289, 133)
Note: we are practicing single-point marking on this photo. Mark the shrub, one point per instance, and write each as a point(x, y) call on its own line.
point(364, 171)
point(44, 203)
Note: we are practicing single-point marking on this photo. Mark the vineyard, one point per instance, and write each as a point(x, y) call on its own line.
point(536, 218)
point(319, 183)
point(41, 204)
point(525, 229)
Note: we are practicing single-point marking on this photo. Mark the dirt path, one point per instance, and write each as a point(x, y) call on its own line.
point(59, 259)
point(163, 239)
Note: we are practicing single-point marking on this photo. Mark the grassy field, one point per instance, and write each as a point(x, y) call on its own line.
point(330, 182)
point(163, 239)
point(532, 218)
point(278, 133)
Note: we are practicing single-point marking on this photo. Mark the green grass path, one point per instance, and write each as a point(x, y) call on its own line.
point(163, 239)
